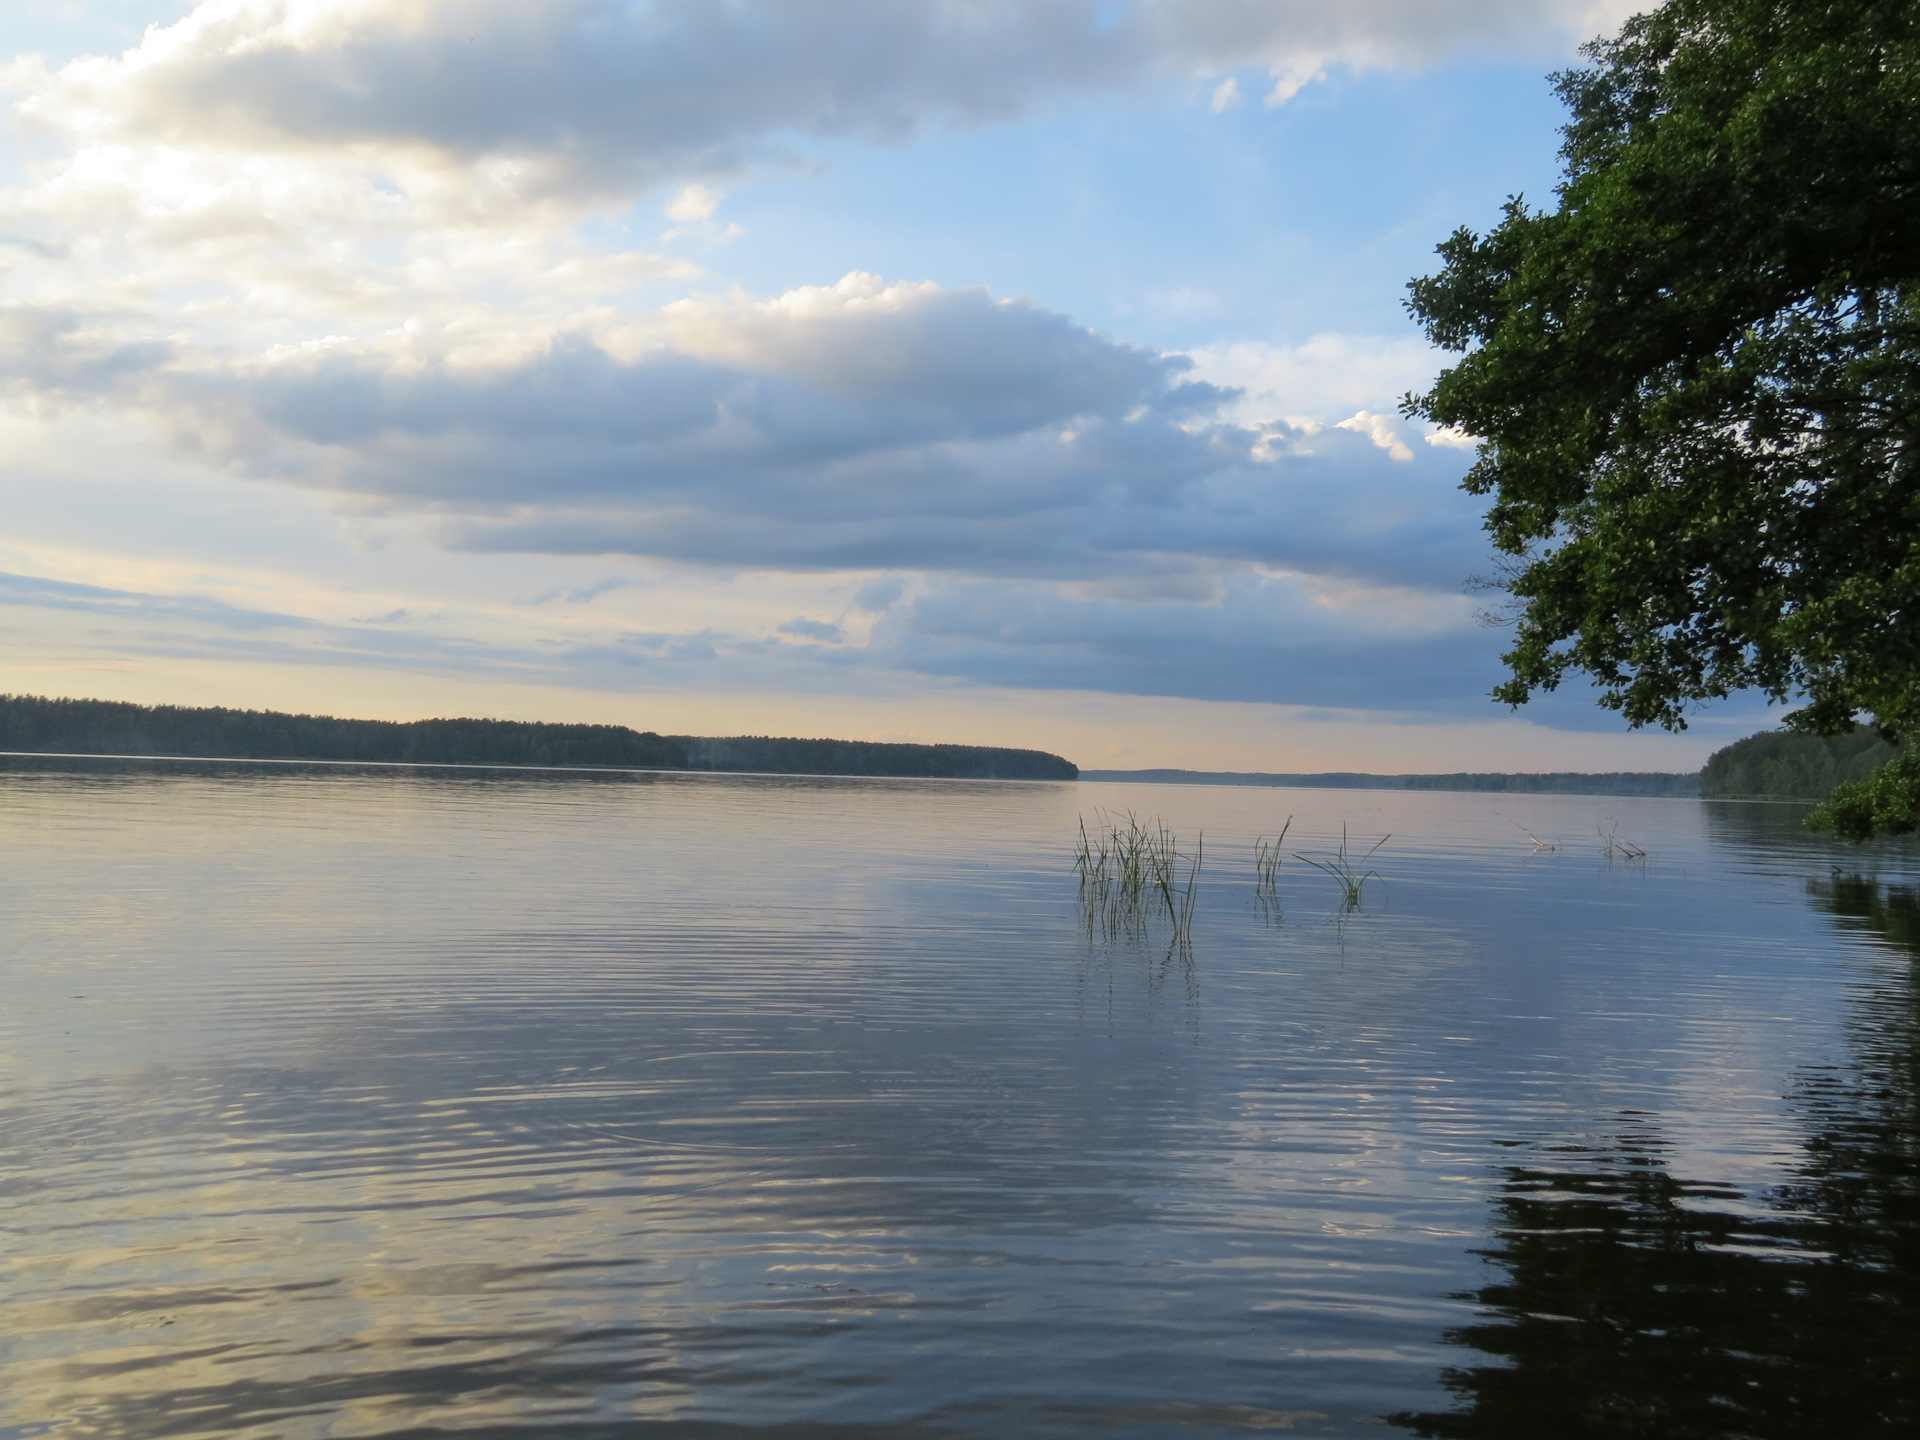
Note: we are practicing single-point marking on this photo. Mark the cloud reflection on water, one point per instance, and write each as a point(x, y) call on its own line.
point(705, 1105)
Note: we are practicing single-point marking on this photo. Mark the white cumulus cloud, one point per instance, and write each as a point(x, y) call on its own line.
point(694, 202)
point(534, 97)
point(371, 251)
point(1382, 430)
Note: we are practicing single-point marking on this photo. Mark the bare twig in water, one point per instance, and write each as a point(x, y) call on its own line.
point(1539, 845)
point(1614, 848)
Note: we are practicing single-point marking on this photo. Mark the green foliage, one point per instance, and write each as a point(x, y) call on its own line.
point(1267, 859)
point(776, 756)
point(108, 727)
point(1622, 782)
point(35, 724)
point(1698, 376)
point(1885, 803)
point(1125, 866)
point(1787, 765)
point(1346, 871)
point(1617, 782)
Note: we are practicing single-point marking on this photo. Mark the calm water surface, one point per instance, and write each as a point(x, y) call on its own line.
point(410, 1104)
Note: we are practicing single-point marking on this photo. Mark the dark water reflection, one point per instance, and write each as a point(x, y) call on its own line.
point(335, 1104)
point(1635, 1302)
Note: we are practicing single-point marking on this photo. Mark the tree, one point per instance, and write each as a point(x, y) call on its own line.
point(1697, 379)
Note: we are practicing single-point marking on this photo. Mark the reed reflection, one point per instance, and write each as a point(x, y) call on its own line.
point(1635, 1302)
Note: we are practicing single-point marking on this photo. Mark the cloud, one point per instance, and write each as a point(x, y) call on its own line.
point(694, 202)
point(859, 426)
point(1382, 430)
point(1282, 639)
point(579, 595)
point(34, 590)
point(1454, 439)
point(374, 249)
point(1326, 377)
point(924, 349)
point(535, 98)
point(126, 621)
point(1293, 75)
point(823, 630)
point(880, 595)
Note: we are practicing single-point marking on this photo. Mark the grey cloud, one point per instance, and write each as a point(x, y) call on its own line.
point(1257, 642)
point(588, 94)
point(876, 597)
point(1032, 508)
point(1254, 644)
point(1252, 641)
point(201, 627)
point(583, 595)
point(62, 352)
point(132, 604)
point(942, 350)
point(574, 392)
point(1102, 464)
point(865, 402)
point(806, 629)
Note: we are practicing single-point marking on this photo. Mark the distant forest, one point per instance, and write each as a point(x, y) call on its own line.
point(1783, 765)
point(1775, 765)
point(108, 727)
point(1626, 782)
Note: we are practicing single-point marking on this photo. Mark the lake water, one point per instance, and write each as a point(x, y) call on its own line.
point(336, 1103)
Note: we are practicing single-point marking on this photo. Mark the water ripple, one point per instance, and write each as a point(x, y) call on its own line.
point(335, 1104)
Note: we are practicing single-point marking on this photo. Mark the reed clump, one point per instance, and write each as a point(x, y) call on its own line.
point(1266, 863)
point(1132, 870)
point(1346, 871)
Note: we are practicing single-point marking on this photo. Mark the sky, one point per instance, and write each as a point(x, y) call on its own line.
point(935, 370)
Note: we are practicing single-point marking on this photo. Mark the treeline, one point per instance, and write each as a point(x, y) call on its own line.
point(110, 727)
point(1627, 782)
point(1340, 780)
point(1785, 765)
point(1569, 782)
point(1774, 765)
point(1780, 764)
point(35, 724)
point(775, 756)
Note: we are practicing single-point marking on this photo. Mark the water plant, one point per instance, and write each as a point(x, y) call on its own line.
point(1346, 872)
point(1130, 870)
point(1179, 899)
point(1266, 863)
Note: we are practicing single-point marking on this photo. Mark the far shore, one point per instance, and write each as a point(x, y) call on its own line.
point(1651, 783)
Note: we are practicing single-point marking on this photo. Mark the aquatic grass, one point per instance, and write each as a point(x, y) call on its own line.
point(1345, 871)
point(1179, 900)
point(1129, 870)
point(1266, 863)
